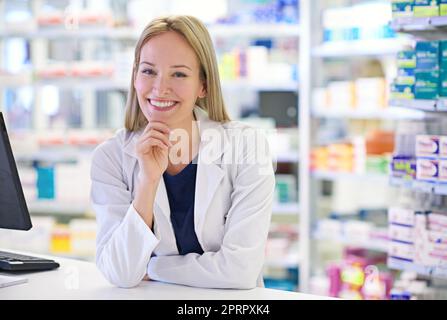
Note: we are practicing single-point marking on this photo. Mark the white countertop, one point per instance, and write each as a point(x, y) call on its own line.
point(76, 279)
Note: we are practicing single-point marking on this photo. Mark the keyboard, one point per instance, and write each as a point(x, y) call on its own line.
point(18, 262)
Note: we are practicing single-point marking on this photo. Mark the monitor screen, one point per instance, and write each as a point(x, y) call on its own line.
point(281, 106)
point(13, 210)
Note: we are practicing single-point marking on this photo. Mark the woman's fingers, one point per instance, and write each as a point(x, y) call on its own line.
point(157, 135)
point(152, 142)
point(148, 144)
point(160, 126)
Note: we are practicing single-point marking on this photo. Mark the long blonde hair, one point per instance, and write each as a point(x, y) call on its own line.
point(196, 34)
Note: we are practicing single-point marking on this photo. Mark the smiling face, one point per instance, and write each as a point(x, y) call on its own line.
point(167, 82)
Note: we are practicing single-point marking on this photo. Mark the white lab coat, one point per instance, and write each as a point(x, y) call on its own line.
point(233, 203)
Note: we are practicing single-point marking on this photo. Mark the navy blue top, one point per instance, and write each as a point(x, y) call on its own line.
point(181, 190)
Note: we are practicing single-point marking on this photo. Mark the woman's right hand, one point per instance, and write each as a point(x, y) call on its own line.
point(152, 151)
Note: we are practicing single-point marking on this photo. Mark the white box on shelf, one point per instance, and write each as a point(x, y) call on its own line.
point(427, 169)
point(329, 228)
point(319, 99)
point(427, 145)
point(341, 95)
point(435, 217)
point(257, 63)
point(370, 93)
point(358, 231)
point(401, 216)
point(442, 171)
point(437, 236)
point(401, 250)
point(443, 147)
point(401, 233)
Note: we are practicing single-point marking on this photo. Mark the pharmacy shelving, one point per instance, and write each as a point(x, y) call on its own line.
point(255, 30)
point(314, 54)
point(69, 33)
point(291, 157)
point(421, 186)
point(42, 43)
point(418, 23)
point(390, 113)
point(429, 28)
point(376, 245)
point(286, 208)
point(57, 208)
point(260, 86)
point(333, 176)
point(430, 271)
point(379, 47)
point(290, 261)
point(30, 31)
point(439, 105)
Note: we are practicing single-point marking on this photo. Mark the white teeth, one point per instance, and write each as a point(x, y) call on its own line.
point(164, 104)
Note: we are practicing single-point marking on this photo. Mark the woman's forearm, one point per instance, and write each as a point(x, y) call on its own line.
point(144, 199)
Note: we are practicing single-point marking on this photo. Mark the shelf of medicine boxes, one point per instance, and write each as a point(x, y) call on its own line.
point(332, 176)
point(375, 47)
point(339, 49)
point(378, 113)
point(408, 24)
point(426, 25)
point(17, 80)
point(439, 105)
point(376, 245)
point(291, 209)
point(421, 186)
point(55, 208)
point(431, 271)
point(216, 30)
point(429, 28)
point(29, 30)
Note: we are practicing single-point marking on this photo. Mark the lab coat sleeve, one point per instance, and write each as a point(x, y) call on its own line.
point(238, 263)
point(124, 242)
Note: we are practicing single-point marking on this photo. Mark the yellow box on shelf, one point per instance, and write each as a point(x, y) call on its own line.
point(60, 239)
point(426, 8)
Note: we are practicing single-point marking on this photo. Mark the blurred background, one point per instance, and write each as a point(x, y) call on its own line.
point(352, 95)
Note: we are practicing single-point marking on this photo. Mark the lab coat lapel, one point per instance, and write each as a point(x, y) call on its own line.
point(208, 180)
point(209, 170)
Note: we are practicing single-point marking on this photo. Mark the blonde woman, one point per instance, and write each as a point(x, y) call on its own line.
point(182, 194)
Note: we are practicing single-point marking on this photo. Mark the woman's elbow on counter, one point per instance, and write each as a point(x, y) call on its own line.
point(116, 277)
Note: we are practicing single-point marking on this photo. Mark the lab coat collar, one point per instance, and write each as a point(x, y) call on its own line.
point(213, 143)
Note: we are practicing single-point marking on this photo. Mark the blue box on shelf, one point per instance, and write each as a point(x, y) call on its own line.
point(443, 83)
point(443, 53)
point(403, 167)
point(401, 91)
point(402, 9)
point(406, 59)
point(426, 85)
point(427, 55)
point(45, 182)
point(405, 76)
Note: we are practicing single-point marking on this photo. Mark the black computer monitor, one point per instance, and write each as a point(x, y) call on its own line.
point(14, 212)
